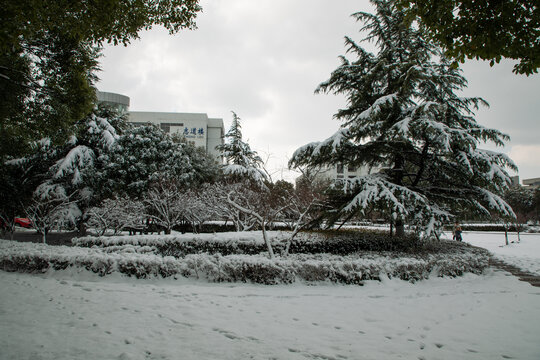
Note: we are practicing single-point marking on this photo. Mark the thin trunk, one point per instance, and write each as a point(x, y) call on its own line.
point(399, 164)
point(81, 229)
point(506, 234)
point(266, 241)
point(400, 228)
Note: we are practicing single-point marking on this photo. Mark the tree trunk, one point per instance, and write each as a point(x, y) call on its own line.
point(400, 228)
point(268, 245)
point(506, 234)
point(399, 163)
point(81, 228)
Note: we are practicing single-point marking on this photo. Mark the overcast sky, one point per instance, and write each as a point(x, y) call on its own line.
point(263, 60)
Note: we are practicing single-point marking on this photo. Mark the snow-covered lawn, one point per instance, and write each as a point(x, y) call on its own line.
point(524, 254)
point(78, 315)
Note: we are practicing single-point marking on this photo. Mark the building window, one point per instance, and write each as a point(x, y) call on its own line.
point(165, 127)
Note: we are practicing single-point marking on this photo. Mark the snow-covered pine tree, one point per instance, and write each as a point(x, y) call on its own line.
point(144, 155)
point(241, 161)
point(403, 114)
point(79, 163)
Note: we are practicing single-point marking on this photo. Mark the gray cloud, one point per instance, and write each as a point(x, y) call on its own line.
point(263, 59)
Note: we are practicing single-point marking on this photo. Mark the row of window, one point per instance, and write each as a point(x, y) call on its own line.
point(349, 169)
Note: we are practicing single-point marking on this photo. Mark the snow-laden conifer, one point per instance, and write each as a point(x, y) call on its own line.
point(404, 114)
point(241, 161)
point(144, 155)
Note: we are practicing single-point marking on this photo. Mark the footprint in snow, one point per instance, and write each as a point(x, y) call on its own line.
point(226, 333)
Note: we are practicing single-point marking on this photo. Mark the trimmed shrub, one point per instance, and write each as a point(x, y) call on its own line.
point(347, 269)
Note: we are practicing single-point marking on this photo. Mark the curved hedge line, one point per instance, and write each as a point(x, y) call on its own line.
point(350, 269)
point(316, 242)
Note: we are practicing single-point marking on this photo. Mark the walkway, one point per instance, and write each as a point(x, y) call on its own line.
point(532, 279)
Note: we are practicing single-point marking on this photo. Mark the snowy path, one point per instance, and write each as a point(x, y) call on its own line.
point(524, 255)
point(64, 316)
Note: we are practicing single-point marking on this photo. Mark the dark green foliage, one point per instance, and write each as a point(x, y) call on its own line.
point(48, 59)
point(406, 120)
point(524, 201)
point(449, 259)
point(241, 161)
point(144, 155)
point(113, 21)
point(483, 29)
point(46, 86)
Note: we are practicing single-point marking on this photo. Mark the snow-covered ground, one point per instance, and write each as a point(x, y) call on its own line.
point(524, 254)
point(67, 315)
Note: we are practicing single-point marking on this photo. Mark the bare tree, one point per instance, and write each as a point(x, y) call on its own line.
point(305, 203)
point(116, 215)
point(257, 203)
point(163, 205)
point(51, 208)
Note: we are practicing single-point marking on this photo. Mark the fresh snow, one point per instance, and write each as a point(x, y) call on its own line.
point(524, 254)
point(78, 315)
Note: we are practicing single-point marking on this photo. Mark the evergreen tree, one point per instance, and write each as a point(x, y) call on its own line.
point(46, 86)
point(241, 161)
point(144, 155)
point(48, 58)
point(521, 199)
point(404, 115)
point(73, 170)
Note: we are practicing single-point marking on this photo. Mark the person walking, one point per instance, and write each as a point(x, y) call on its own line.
point(457, 232)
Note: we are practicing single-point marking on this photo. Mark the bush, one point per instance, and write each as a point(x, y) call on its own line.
point(251, 243)
point(451, 259)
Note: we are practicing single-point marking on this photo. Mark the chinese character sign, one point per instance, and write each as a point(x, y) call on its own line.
point(193, 132)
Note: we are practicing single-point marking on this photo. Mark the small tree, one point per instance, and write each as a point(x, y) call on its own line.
point(116, 215)
point(257, 205)
point(241, 161)
point(163, 205)
point(52, 208)
point(306, 203)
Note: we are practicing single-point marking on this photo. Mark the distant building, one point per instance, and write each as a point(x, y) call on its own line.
point(533, 183)
point(116, 101)
point(341, 172)
point(197, 128)
point(514, 180)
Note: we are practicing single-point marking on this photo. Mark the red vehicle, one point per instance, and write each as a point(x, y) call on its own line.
point(22, 222)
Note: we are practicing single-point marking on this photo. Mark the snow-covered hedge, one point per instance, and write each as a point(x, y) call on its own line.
point(142, 263)
point(251, 243)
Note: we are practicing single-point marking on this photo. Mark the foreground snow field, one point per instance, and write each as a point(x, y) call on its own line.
point(61, 316)
point(78, 315)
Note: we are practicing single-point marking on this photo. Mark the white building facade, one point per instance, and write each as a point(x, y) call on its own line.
point(197, 128)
